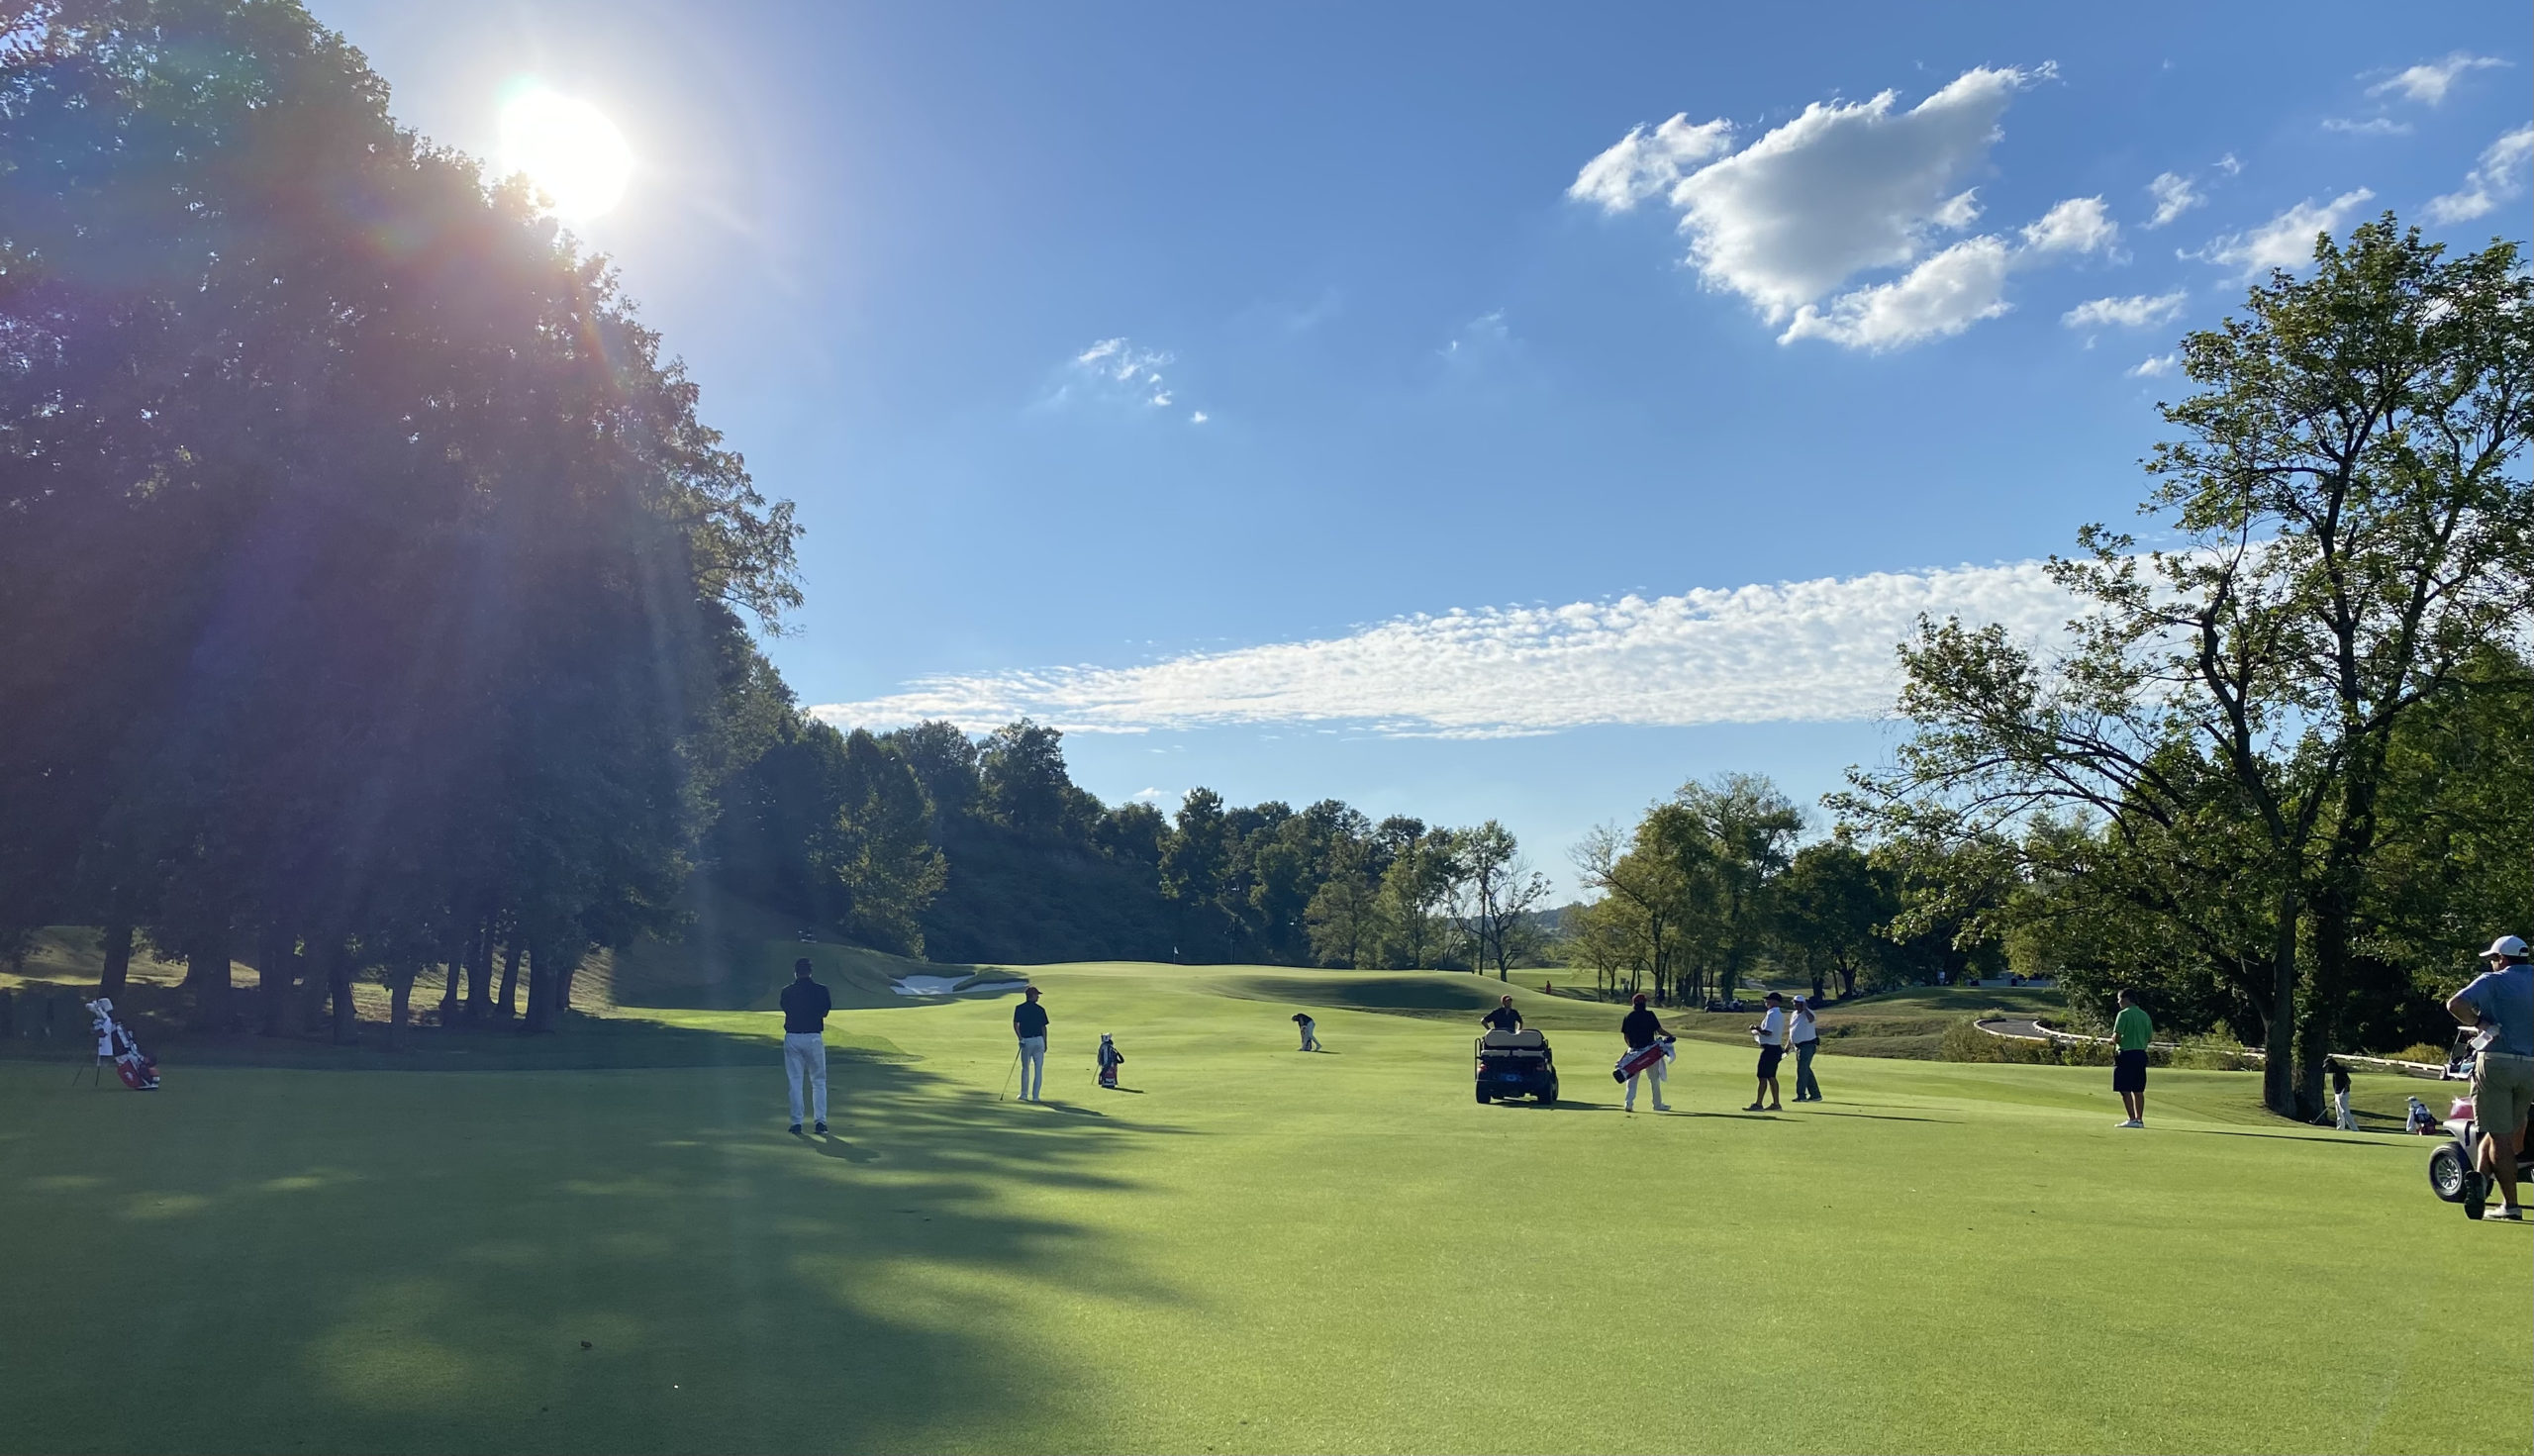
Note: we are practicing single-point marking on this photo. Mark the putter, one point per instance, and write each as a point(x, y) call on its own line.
point(1007, 1074)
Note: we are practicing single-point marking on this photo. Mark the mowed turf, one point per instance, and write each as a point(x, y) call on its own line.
point(1252, 1250)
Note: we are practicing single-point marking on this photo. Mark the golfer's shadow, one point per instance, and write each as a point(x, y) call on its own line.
point(829, 1146)
point(1137, 1091)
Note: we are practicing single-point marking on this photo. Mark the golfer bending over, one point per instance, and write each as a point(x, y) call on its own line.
point(2500, 1002)
point(805, 1041)
point(1640, 1028)
point(1030, 1024)
point(1502, 1019)
point(1310, 1029)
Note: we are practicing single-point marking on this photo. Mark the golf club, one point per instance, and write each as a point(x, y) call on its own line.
point(1007, 1074)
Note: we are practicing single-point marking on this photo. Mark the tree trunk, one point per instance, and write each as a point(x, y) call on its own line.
point(509, 1004)
point(275, 961)
point(338, 985)
point(2278, 1068)
point(448, 994)
point(118, 967)
point(479, 974)
point(400, 1000)
point(540, 975)
point(207, 971)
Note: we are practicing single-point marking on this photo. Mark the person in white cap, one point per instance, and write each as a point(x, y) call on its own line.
point(2500, 1002)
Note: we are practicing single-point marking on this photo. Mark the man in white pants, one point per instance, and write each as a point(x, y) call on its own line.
point(805, 1043)
point(1030, 1024)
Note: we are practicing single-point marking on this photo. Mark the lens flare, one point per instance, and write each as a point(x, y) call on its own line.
point(569, 152)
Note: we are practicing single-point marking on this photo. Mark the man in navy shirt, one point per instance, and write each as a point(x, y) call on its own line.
point(806, 1005)
point(1502, 1019)
point(1030, 1024)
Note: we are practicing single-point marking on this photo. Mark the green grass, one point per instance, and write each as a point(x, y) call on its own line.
point(1254, 1250)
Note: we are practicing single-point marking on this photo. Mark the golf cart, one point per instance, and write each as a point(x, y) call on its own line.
point(2452, 1173)
point(1515, 1064)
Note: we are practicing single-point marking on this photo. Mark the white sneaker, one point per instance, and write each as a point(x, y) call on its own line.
point(2510, 1211)
point(2131, 1123)
point(1662, 1106)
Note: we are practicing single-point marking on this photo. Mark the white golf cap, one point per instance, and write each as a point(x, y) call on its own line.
point(2505, 945)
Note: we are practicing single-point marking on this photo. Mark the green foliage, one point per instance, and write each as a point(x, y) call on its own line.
point(2203, 788)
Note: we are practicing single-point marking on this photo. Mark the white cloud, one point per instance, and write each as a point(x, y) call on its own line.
point(1944, 295)
point(2077, 225)
point(2489, 183)
point(2175, 195)
point(2157, 367)
point(2138, 311)
point(1843, 189)
point(1640, 164)
point(1800, 651)
point(2429, 81)
point(2229, 165)
point(1118, 369)
point(2374, 126)
point(1198, 417)
point(2285, 241)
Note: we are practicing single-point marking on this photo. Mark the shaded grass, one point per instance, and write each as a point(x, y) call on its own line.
point(1263, 1251)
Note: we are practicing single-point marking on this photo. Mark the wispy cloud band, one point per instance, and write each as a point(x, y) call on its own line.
point(1799, 651)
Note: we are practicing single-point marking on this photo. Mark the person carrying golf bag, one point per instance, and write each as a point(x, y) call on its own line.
point(1649, 1049)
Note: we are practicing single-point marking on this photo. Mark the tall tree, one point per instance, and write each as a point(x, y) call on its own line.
point(2353, 522)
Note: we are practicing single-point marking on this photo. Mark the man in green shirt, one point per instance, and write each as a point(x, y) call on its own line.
point(2130, 1033)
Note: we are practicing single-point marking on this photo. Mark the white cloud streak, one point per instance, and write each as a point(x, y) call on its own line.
point(2429, 81)
point(2175, 195)
point(1799, 651)
point(2157, 367)
point(2138, 311)
point(2374, 126)
point(1119, 369)
point(2493, 182)
point(1843, 189)
point(2285, 241)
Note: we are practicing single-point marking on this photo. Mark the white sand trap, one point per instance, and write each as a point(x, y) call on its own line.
point(949, 985)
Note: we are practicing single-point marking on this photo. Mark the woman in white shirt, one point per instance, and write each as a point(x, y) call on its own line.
point(1808, 1040)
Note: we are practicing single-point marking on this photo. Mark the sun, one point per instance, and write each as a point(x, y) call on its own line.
point(568, 150)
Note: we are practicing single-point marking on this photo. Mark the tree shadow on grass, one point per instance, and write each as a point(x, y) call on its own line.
point(615, 1261)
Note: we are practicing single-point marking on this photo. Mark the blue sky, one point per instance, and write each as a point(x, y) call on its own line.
point(1396, 403)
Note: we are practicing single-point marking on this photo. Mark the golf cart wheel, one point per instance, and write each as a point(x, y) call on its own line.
point(1548, 1093)
point(2447, 1171)
point(1482, 1096)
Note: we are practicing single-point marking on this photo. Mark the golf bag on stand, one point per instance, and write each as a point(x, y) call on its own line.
point(1110, 1060)
point(115, 1044)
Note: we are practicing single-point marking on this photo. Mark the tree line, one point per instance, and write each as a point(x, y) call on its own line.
point(926, 840)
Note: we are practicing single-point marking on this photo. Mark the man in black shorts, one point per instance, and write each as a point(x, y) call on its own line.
point(1502, 1019)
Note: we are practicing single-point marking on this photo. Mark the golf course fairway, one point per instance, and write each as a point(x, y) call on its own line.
point(1254, 1249)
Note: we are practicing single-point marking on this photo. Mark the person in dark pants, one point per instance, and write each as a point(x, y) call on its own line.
point(2340, 1095)
point(806, 1005)
point(1502, 1019)
point(1030, 1024)
point(1808, 1040)
point(2130, 1034)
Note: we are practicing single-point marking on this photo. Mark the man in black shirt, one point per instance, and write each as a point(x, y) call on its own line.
point(1030, 1024)
point(806, 1005)
point(1502, 1019)
point(1640, 1028)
